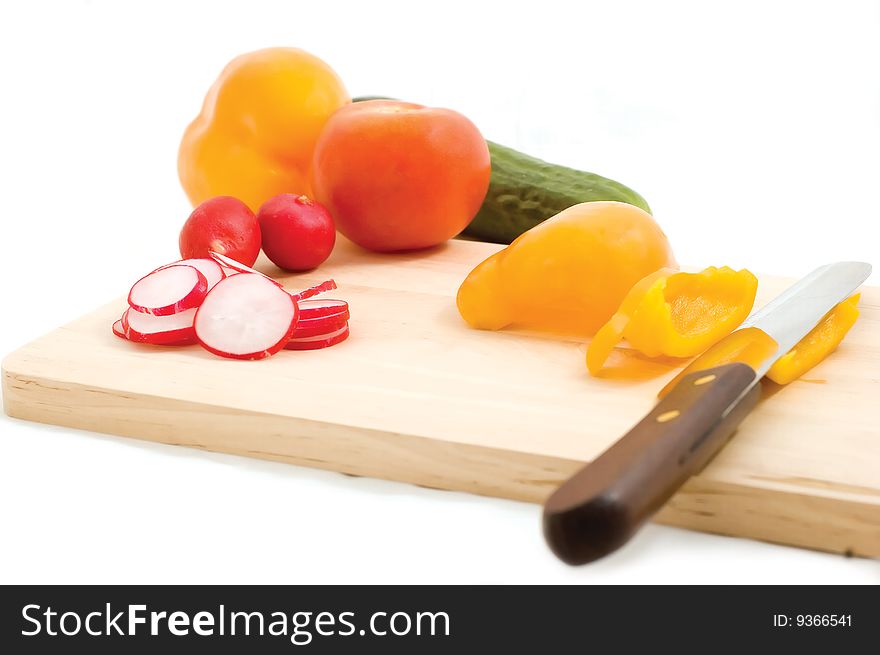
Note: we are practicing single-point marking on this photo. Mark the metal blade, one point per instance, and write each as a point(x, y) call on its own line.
point(793, 313)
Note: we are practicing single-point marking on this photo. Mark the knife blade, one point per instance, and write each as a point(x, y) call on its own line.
point(605, 503)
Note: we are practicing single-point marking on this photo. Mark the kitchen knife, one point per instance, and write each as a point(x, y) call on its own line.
point(598, 509)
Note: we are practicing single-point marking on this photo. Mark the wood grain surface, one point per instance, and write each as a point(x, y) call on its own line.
point(414, 395)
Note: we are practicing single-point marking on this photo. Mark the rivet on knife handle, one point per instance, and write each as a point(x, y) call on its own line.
point(604, 504)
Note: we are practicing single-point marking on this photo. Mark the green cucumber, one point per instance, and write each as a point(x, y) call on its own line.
point(525, 191)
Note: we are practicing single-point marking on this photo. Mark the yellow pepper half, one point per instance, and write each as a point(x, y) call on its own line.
point(568, 274)
point(676, 314)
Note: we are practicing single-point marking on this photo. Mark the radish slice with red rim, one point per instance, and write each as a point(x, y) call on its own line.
point(147, 324)
point(228, 262)
point(319, 326)
point(173, 330)
point(119, 330)
point(232, 267)
point(319, 341)
point(168, 291)
point(309, 309)
point(246, 317)
point(212, 271)
point(328, 285)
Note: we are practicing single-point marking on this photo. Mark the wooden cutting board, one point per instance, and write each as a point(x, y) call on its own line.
point(414, 395)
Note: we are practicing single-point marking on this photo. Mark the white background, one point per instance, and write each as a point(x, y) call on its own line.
point(753, 129)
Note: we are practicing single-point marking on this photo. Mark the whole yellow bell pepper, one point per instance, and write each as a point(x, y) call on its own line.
point(258, 127)
point(676, 314)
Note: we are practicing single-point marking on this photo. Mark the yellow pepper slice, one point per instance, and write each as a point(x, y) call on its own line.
point(676, 314)
point(821, 341)
point(752, 346)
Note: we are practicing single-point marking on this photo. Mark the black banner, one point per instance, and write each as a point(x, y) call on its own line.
point(432, 619)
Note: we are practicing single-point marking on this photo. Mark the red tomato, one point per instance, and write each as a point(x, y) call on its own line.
point(222, 224)
point(400, 176)
point(298, 233)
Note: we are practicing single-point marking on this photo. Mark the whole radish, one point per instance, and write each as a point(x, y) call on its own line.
point(224, 225)
point(298, 232)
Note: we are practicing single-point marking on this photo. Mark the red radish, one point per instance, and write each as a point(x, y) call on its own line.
point(173, 330)
point(318, 326)
point(319, 341)
point(118, 330)
point(212, 271)
point(246, 317)
point(309, 309)
point(168, 291)
point(298, 232)
point(225, 225)
point(329, 285)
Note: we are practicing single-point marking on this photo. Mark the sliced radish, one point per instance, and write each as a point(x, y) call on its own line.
point(232, 267)
point(212, 271)
point(228, 262)
point(168, 291)
point(319, 326)
point(119, 330)
point(309, 309)
point(173, 330)
point(329, 285)
point(147, 324)
point(319, 341)
point(246, 317)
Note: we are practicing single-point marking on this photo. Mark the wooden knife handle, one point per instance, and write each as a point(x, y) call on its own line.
point(604, 504)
